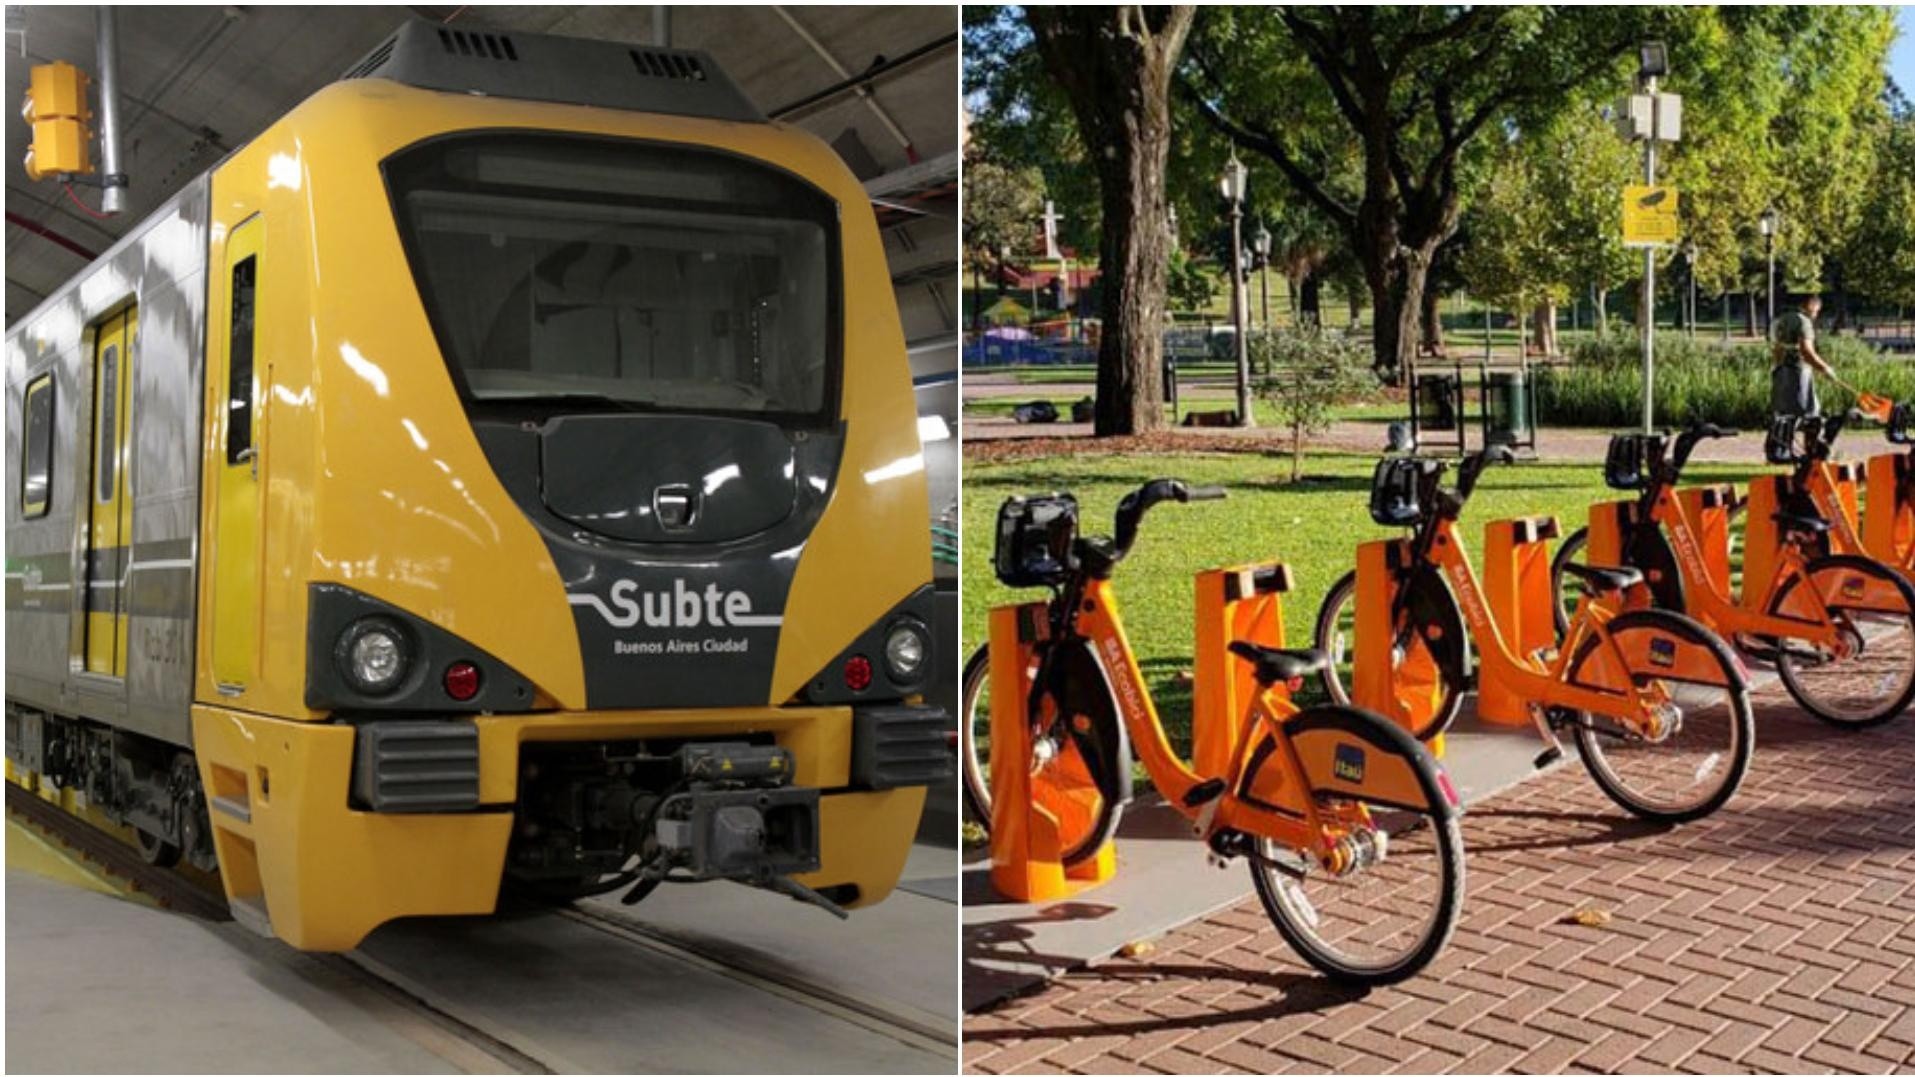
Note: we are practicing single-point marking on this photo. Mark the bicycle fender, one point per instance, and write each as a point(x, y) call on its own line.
point(1655, 643)
point(1355, 754)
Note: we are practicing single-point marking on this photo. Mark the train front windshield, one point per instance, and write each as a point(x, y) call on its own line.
point(597, 273)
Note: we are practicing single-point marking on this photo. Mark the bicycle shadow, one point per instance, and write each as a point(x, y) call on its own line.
point(1609, 830)
point(1297, 993)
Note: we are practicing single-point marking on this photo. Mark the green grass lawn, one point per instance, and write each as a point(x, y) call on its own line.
point(1314, 526)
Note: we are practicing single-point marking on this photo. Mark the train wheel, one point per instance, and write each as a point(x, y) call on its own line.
point(156, 851)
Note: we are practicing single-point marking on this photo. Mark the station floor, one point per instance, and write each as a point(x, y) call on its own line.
point(99, 982)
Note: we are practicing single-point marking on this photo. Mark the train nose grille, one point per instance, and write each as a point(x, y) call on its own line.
point(412, 766)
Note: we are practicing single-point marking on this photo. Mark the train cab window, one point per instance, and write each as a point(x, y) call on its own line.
point(36, 458)
point(107, 460)
point(239, 376)
point(624, 275)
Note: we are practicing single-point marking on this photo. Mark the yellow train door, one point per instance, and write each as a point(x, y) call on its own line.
point(236, 548)
point(109, 530)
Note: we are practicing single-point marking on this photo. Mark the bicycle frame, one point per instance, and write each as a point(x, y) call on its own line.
point(1265, 792)
point(1615, 696)
point(1708, 596)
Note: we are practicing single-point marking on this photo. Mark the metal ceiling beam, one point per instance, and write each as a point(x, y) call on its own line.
point(856, 84)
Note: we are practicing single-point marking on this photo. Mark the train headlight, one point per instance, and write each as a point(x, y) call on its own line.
point(907, 646)
point(372, 655)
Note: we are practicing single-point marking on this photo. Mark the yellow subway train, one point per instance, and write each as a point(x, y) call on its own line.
point(502, 471)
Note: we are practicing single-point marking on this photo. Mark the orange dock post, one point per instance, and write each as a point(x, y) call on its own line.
point(1241, 602)
point(1707, 508)
point(1516, 588)
point(1404, 690)
point(1761, 540)
point(1026, 855)
point(1888, 526)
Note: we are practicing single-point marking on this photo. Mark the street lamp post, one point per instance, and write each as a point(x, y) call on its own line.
point(1689, 259)
point(1232, 183)
point(1771, 220)
point(1261, 244)
point(1653, 63)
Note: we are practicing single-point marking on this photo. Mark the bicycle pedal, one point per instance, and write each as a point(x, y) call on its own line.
point(1204, 792)
point(1549, 757)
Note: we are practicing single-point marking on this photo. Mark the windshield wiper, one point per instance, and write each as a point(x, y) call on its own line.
point(564, 398)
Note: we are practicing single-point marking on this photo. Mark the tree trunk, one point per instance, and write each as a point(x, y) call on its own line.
point(1601, 296)
point(1115, 66)
point(1546, 328)
point(1312, 316)
point(1396, 301)
point(977, 296)
point(1432, 324)
point(1753, 330)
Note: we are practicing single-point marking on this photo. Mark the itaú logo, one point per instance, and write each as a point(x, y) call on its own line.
point(625, 605)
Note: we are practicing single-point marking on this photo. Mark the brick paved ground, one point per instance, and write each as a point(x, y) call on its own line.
point(1778, 935)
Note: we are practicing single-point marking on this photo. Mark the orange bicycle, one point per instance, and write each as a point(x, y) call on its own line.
point(1658, 705)
point(1840, 628)
point(1348, 825)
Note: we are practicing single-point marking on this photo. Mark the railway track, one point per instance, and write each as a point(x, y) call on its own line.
point(453, 1019)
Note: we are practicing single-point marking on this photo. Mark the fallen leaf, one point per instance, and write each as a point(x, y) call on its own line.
point(1590, 916)
point(1138, 948)
point(973, 834)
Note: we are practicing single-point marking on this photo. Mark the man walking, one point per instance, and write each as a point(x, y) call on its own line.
point(1792, 378)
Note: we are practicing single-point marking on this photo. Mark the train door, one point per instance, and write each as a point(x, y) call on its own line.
point(109, 527)
point(236, 465)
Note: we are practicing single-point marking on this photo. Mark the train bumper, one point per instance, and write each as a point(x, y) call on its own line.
point(293, 846)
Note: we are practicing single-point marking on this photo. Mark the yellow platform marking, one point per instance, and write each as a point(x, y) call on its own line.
point(29, 850)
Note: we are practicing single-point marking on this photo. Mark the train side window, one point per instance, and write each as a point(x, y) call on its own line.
point(239, 377)
point(109, 419)
point(36, 463)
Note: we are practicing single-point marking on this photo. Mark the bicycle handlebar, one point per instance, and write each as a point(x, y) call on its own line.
point(1472, 467)
point(1131, 510)
point(1687, 441)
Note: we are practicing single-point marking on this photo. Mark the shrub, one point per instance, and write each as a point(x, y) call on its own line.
point(1602, 385)
point(1307, 374)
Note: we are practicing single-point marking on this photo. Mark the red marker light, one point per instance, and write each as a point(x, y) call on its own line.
point(857, 673)
point(462, 681)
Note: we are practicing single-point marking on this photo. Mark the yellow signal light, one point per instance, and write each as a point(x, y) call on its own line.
point(56, 107)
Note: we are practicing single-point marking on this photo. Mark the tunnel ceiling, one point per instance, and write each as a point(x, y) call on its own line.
point(198, 82)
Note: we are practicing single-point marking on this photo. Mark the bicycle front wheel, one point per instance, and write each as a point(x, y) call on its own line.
point(1691, 764)
point(1873, 607)
point(1384, 919)
point(974, 736)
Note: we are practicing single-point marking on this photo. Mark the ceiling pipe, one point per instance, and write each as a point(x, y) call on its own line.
point(50, 235)
point(106, 33)
point(662, 25)
point(871, 74)
point(910, 151)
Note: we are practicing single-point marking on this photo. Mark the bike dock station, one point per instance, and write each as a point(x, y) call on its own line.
point(1028, 917)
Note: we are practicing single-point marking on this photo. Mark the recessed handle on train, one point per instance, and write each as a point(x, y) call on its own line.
point(250, 457)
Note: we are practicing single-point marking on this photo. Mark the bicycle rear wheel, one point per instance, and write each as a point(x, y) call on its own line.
point(1876, 681)
point(1698, 760)
point(1385, 920)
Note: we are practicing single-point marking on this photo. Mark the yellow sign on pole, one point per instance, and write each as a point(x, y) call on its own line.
point(1649, 217)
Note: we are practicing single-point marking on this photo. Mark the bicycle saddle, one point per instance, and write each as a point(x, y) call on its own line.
point(1604, 579)
point(1274, 664)
point(1807, 525)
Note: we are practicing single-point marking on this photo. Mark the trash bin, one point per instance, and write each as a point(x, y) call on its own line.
point(1436, 396)
point(1506, 407)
